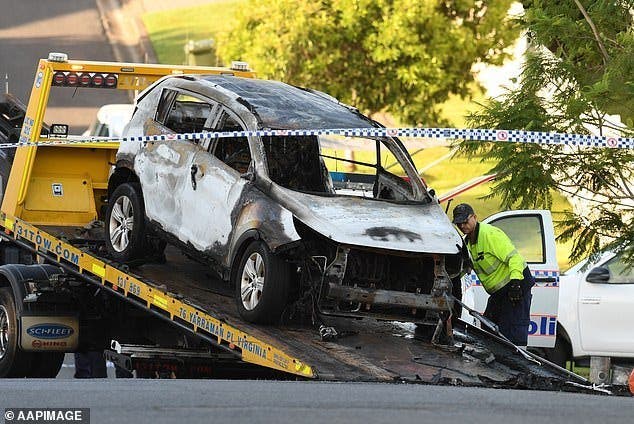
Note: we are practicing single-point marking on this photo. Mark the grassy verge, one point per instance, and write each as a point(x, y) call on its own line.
point(170, 31)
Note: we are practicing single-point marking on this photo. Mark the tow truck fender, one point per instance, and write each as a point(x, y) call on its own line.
point(16, 276)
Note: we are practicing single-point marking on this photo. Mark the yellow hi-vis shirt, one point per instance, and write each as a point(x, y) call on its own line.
point(495, 259)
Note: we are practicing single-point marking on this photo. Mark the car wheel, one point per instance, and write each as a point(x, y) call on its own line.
point(262, 283)
point(13, 361)
point(125, 223)
point(560, 354)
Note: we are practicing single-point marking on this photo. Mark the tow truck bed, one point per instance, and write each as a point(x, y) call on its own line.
point(185, 293)
point(365, 350)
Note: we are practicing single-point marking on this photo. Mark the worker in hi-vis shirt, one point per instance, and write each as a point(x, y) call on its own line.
point(502, 271)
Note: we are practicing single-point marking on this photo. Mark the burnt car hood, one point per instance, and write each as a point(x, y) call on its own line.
point(357, 221)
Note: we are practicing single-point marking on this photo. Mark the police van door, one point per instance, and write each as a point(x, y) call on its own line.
point(533, 235)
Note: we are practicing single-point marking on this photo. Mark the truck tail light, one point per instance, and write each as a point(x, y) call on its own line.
point(84, 80)
point(97, 80)
point(59, 78)
point(72, 79)
point(111, 81)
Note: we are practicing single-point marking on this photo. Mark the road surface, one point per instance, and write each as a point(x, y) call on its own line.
point(217, 401)
point(30, 29)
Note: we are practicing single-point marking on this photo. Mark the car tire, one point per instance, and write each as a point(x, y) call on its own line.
point(125, 223)
point(560, 354)
point(14, 362)
point(262, 282)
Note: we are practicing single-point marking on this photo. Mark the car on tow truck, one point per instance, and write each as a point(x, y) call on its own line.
point(263, 211)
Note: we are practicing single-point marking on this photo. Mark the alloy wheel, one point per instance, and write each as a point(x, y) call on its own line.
point(252, 281)
point(121, 223)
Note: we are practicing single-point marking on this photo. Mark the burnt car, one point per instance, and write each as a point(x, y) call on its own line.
point(263, 211)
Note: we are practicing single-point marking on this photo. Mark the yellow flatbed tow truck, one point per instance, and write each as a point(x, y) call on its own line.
point(60, 293)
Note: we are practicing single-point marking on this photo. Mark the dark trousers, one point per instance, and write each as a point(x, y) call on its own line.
point(513, 320)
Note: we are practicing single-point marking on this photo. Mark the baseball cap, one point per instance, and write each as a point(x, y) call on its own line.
point(461, 213)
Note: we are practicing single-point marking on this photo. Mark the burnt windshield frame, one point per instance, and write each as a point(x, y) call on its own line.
point(282, 167)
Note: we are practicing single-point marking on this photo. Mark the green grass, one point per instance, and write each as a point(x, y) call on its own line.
point(455, 109)
point(170, 31)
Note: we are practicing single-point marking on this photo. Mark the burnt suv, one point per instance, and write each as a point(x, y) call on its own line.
point(264, 213)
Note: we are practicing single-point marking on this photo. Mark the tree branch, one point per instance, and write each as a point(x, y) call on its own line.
point(604, 52)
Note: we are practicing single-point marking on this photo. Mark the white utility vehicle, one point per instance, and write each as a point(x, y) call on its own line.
point(596, 311)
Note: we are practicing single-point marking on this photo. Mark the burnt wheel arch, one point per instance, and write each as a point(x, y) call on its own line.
point(122, 174)
point(241, 245)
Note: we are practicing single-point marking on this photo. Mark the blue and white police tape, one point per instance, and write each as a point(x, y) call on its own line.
point(511, 136)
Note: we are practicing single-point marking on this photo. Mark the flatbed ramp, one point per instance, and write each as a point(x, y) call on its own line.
point(185, 293)
point(364, 350)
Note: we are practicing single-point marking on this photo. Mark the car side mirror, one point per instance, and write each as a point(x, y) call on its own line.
point(598, 275)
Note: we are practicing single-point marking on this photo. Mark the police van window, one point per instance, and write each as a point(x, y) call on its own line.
point(188, 114)
point(527, 234)
point(234, 151)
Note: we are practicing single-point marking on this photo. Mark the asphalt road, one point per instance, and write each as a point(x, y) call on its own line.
point(216, 401)
point(30, 29)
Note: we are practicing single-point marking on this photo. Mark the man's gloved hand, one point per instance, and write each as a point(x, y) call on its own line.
point(515, 291)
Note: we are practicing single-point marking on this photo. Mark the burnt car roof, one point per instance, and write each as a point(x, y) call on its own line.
point(281, 106)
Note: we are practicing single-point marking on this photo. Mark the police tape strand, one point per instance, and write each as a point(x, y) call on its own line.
point(511, 136)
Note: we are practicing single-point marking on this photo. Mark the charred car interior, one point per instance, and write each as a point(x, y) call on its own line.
point(263, 211)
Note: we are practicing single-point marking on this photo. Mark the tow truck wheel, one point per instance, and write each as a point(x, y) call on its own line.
point(125, 223)
point(262, 283)
point(13, 361)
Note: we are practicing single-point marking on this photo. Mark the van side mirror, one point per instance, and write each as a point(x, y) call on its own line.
point(598, 275)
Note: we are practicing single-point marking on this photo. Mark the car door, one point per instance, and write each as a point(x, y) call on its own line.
point(216, 187)
point(606, 309)
point(164, 167)
point(533, 235)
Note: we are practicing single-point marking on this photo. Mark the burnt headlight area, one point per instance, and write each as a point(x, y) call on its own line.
point(380, 270)
point(346, 280)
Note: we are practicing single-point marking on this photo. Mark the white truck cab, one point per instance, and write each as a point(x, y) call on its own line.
point(533, 235)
